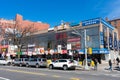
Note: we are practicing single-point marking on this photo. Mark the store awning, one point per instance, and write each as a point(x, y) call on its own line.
point(96, 51)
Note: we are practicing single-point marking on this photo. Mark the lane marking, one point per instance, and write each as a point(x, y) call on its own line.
point(34, 73)
point(75, 79)
point(4, 78)
point(18, 71)
point(56, 76)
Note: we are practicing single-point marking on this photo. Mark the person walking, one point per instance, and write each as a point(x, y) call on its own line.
point(110, 64)
point(117, 59)
point(96, 64)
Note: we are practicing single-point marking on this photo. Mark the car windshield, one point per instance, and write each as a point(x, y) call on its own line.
point(17, 59)
point(26, 59)
point(71, 61)
point(44, 59)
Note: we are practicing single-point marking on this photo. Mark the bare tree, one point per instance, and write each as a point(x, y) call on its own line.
point(18, 32)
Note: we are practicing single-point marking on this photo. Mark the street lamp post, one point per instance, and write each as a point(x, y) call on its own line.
point(78, 33)
point(86, 62)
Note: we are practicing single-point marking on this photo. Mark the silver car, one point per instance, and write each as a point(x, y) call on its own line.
point(20, 61)
point(37, 62)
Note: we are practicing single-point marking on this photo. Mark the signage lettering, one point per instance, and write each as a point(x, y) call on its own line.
point(90, 22)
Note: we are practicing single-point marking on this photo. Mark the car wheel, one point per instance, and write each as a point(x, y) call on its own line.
point(27, 65)
point(50, 66)
point(8, 63)
point(20, 65)
point(65, 67)
point(37, 65)
point(13, 64)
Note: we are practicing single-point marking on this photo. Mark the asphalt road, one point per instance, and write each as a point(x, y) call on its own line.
point(23, 73)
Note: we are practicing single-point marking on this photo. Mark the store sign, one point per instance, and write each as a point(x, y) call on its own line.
point(100, 51)
point(51, 51)
point(62, 35)
point(96, 51)
point(59, 48)
point(4, 49)
point(12, 47)
point(73, 39)
point(41, 50)
point(91, 22)
point(64, 51)
point(69, 46)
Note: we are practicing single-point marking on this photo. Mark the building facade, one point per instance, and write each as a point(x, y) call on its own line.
point(68, 40)
point(101, 38)
point(116, 24)
point(5, 47)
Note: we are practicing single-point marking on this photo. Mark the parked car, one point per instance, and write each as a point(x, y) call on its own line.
point(37, 62)
point(63, 63)
point(20, 61)
point(5, 61)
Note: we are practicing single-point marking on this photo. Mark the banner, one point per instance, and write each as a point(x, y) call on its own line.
point(115, 41)
point(110, 40)
point(101, 38)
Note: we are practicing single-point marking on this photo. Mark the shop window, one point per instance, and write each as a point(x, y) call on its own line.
point(49, 44)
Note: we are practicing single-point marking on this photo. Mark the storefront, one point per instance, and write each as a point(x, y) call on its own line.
point(101, 37)
point(4, 51)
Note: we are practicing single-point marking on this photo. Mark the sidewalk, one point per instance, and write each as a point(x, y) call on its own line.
point(104, 67)
point(101, 67)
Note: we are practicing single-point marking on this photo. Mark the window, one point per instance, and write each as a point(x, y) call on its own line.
point(62, 61)
point(33, 59)
point(44, 59)
point(39, 59)
point(26, 59)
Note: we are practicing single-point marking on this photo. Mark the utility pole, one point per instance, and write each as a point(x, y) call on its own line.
point(78, 33)
point(86, 62)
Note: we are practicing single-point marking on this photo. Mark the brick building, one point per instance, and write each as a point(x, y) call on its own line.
point(19, 21)
point(38, 26)
point(116, 24)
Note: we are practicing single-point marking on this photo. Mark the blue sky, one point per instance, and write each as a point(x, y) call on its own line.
point(53, 11)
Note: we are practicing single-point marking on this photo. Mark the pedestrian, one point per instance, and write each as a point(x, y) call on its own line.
point(95, 62)
point(117, 59)
point(110, 64)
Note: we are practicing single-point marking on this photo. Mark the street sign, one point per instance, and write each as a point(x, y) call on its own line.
point(91, 22)
point(59, 48)
point(68, 46)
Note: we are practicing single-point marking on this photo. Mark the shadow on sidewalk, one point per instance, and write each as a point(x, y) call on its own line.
point(117, 68)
